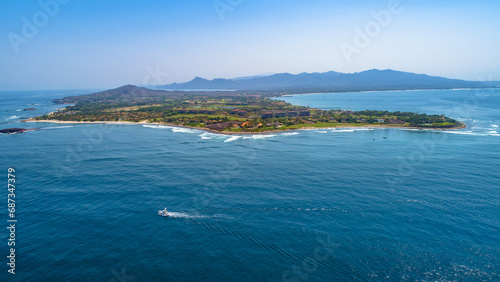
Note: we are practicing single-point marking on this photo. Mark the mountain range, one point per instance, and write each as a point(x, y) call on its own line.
point(331, 81)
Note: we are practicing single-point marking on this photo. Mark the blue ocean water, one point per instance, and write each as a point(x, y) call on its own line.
point(310, 205)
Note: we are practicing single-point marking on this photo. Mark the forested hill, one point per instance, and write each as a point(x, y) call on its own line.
point(132, 93)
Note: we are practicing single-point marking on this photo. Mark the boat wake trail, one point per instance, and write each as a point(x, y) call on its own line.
point(323, 210)
point(246, 237)
point(201, 220)
point(185, 215)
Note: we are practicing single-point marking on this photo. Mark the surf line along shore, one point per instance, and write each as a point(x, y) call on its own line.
point(462, 126)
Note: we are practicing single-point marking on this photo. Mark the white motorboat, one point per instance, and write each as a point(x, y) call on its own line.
point(163, 212)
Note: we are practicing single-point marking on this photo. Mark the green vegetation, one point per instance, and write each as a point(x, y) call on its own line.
point(226, 112)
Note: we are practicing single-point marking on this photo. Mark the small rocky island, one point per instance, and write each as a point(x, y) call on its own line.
point(226, 112)
point(13, 130)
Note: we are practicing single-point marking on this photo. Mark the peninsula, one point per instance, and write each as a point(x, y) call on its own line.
point(226, 112)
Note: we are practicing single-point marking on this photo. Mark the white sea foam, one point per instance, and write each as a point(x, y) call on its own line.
point(362, 129)
point(289, 133)
point(233, 138)
point(157, 126)
point(183, 215)
point(342, 130)
point(461, 132)
point(466, 133)
point(350, 129)
point(208, 136)
point(12, 117)
point(184, 130)
point(260, 136)
point(475, 133)
point(414, 201)
point(321, 131)
point(173, 128)
point(494, 125)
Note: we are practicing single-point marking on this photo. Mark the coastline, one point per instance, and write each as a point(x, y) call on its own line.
point(463, 125)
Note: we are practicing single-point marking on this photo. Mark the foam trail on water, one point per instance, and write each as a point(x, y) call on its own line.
point(184, 215)
point(263, 244)
point(247, 237)
point(259, 209)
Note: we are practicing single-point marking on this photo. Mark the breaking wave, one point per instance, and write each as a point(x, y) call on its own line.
point(289, 133)
point(259, 136)
point(12, 117)
point(342, 130)
point(474, 133)
point(232, 138)
point(173, 128)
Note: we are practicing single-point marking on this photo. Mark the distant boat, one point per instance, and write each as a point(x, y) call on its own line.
point(163, 212)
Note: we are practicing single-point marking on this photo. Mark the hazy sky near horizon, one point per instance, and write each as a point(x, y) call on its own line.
point(71, 44)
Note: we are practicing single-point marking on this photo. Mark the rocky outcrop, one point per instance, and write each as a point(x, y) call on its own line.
point(13, 130)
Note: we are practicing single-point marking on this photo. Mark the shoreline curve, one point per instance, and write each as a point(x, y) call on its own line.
point(463, 125)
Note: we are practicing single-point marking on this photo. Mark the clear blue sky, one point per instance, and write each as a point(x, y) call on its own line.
point(106, 44)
